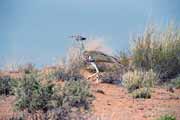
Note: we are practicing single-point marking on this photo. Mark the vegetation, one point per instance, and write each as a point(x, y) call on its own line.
point(6, 85)
point(158, 50)
point(167, 117)
point(33, 96)
point(176, 82)
point(142, 93)
point(133, 80)
point(77, 93)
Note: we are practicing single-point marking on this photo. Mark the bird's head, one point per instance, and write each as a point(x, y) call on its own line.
point(78, 37)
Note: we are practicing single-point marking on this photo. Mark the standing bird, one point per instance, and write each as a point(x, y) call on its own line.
point(93, 57)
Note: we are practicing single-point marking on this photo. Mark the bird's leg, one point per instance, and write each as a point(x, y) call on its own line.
point(97, 72)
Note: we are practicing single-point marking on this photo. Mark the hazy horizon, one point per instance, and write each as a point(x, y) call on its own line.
point(37, 31)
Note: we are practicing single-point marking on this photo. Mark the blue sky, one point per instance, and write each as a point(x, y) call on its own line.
point(37, 30)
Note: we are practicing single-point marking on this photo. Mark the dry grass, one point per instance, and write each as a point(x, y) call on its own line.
point(158, 50)
point(133, 80)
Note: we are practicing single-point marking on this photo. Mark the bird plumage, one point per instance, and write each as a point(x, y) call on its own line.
point(100, 56)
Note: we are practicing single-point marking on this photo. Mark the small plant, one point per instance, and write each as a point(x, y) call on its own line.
point(133, 80)
point(142, 93)
point(31, 95)
point(176, 82)
point(5, 85)
point(77, 93)
point(58, 114)
point(167, 117)
point(124, 59)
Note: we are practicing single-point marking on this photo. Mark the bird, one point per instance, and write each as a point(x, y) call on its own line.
point(99, 57)
point(94, 57)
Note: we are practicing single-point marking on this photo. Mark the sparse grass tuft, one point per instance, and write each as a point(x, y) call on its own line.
point(176, 82)
point(139, 79)
point(77, 93)
point(6, 85)
point(142, 93)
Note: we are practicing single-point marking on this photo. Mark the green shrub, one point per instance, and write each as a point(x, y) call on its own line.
point(158, 50)
point(57, 114)
point(167, 117)
point(142, 93)
point(31, 95)
point(77, 93)
point(6, 85)
point(176, 82)
point(133, 80)
point(123, 59)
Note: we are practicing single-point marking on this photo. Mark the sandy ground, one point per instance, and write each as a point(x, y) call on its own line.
point(116, 104)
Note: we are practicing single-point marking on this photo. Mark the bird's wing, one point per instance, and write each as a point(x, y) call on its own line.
point(100, 56)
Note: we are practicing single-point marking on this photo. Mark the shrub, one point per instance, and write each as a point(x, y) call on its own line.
point(77, 93)
point(6, 85)
point(142, 93)
point(124, 59)
point(167, 117)
point(57, 114)
point(111, 77)
point(55, 102)
point(31, 95)
point(17, 118)
point(176, 82)
point(138, 79)
point(158, 50)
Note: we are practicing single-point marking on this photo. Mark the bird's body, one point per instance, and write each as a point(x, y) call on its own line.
point(99, 57)
point(94, 57)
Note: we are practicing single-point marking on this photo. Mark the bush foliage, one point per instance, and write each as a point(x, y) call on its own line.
point(158, 50)
point(142, 93)
point(6, 85)
point(77, 93)
point(54, 101)
point(167, 117)
point(31, 95)
point(133, 80)
point(176, 82)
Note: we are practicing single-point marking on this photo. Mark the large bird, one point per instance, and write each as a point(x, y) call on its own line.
point(94, 57)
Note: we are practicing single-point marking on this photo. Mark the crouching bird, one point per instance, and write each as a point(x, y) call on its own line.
point(94, 57)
